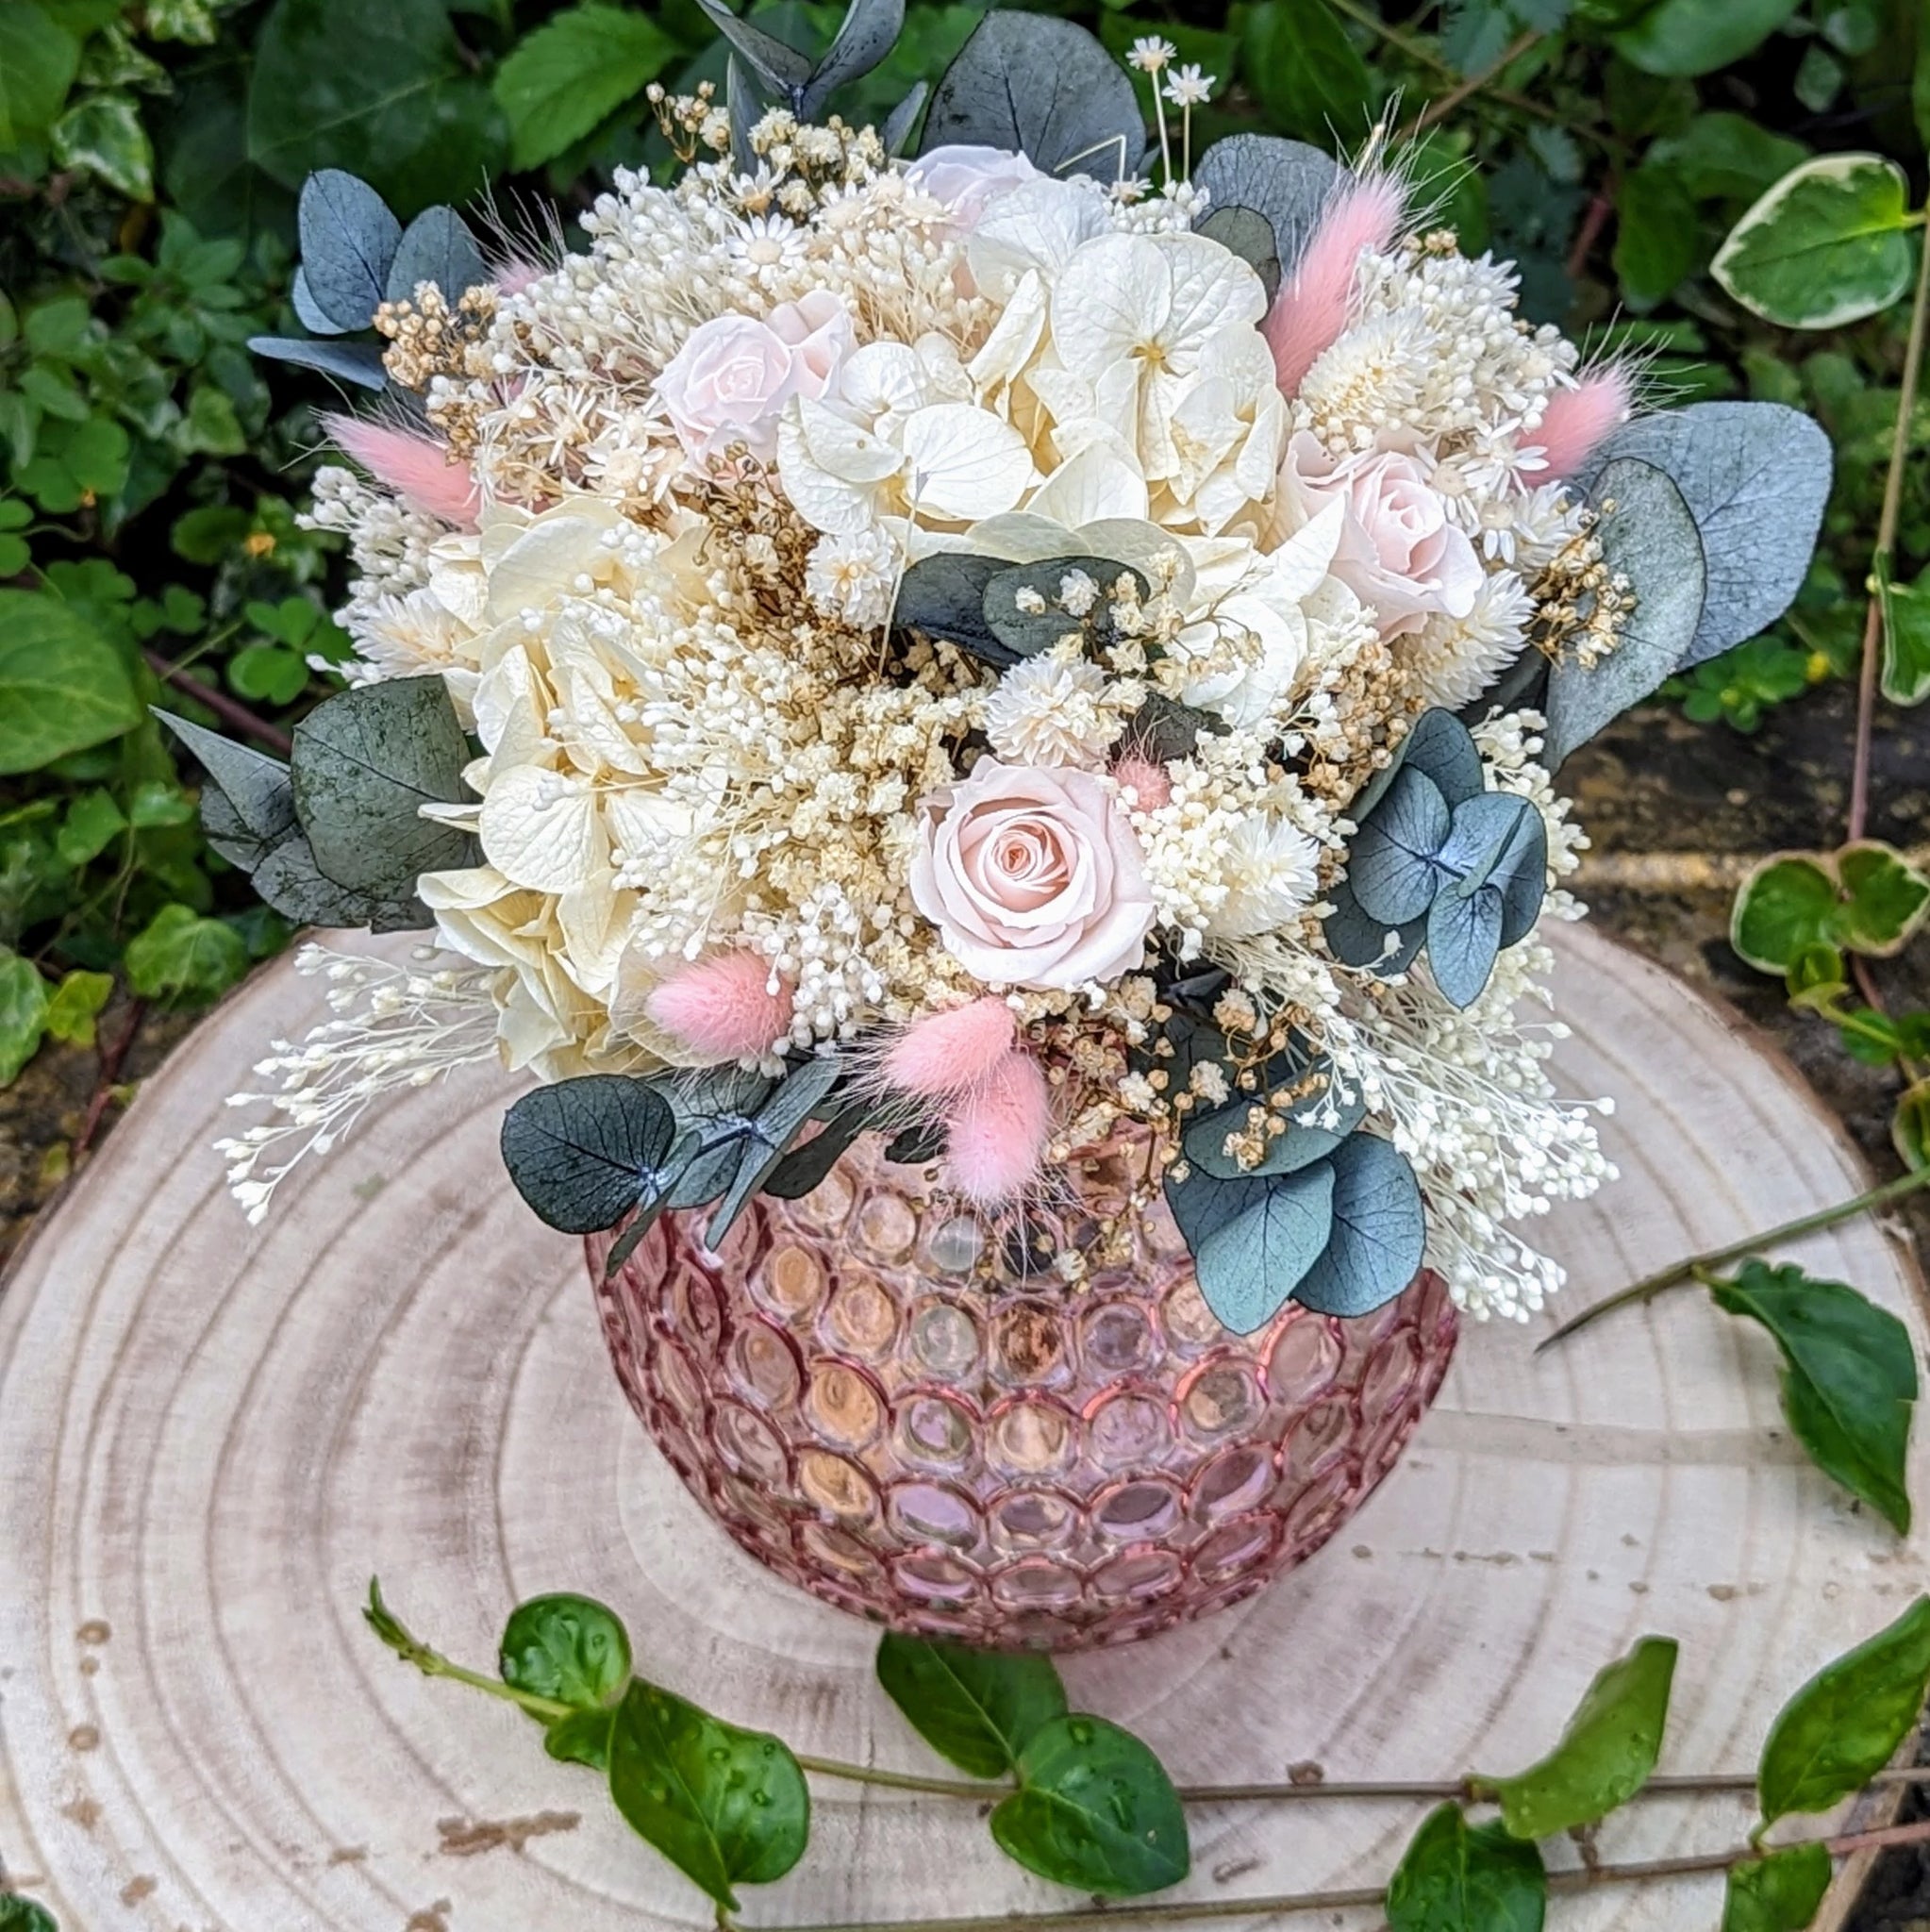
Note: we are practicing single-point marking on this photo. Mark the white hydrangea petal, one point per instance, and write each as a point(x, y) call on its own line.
point(824, 500)
point(541, 829)
point(882, 379)
point(965, 462)
point(1097, 484)
point(1114, 297)
point(548, 556)
point(1037, 226)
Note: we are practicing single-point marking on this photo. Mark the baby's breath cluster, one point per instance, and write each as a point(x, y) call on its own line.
point(883, 586)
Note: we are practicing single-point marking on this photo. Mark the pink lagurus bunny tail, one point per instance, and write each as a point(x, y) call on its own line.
point(947, 1052)
point(417, 467)
point(1577, 420)
point(1311, 308)
point(723, 1006)
point(516, 274)
point(1151, 786)
point(995, 1132)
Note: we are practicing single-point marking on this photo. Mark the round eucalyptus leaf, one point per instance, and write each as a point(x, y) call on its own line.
point(1253, 1240)
point(1247, 233)
point(1463, 940)
point(1394, 865)
point(1095, 1810)
point(1500, 839)
point(348, 239)
point(583, 1153)
point(1298, 1147)
point(1288, 183)
point(437, 247)
point(1025, 632)
point(1377, 1234)
point(1356, 940)
point(1043, 87)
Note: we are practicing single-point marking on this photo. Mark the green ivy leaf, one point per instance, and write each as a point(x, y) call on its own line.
point(1866, 897)
point(976, 1708)
point(1827, 245)
point(76, 1003)
point(1724, 157)
point(1606, 1754)
point(1457, 1877)
point(580, 65)
point(1308, 75)
point(63, 687)
point(1844, 1726)
point(1849, 1378)
point(726, 1807)
point(380, 86)
point(1905, 637)
point(179, 956)
point(1781, 1892)
point(39, 59)
point(92, 824)
point(1684, 37)
point(570, 1649)
point(103, 134)
point(22, 1013)
point(1095, 1810)
point(1654, 234)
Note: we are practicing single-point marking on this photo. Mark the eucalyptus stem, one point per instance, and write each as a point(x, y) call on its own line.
point(1697, 1267)
point(1886, 523)
point(1183, 1911)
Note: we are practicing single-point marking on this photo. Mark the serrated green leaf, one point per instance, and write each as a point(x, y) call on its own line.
point(1779, 1892)
point(1095, 1810)
point(726, 1807)
point(1457, 1877)
point(1844, 1726)
point(1827, 245)
point(564, 78)
point(1606, 1754)
point(63, 687)
point(1850, 1378)
point(976, 1708)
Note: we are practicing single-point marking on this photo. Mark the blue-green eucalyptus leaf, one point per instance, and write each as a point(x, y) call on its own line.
point(1500, 841)
point(1300, 1145)
point(1378, 1232)
point(1253, 1241)
point(779, 66)
point(1756, 477)
point(1356, 940)
point(896, 132)
point(348, 239)
point(1394, 863)
point(1288, 183)
point(1651, 538)
point(357, 362)
point(256, 786)
point(778, 1122)
point(1043, 87)
point(583, 1153)
point(1463, 941)
point(437, 247)
point(310, 312)
point(865, 37)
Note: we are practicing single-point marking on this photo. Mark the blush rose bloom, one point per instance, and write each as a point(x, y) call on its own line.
point(965, 178)
point(732, 377)
point(1033, 876)
point(1398, 552)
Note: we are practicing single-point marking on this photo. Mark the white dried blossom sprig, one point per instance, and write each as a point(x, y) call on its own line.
point(398, 1027)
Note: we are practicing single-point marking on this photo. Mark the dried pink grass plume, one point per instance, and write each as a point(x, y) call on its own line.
point(995, 1132)
point(1150, 784)
point(516, 274)
point(723, 1006)
point(1312, 307)
point(1577, 420)
point(417, 467)
point(947, 1052)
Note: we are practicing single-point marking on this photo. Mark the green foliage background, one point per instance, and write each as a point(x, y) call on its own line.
point(150, 470)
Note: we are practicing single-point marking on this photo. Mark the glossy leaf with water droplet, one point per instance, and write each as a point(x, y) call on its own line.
point(1095, 1810)
point(726, 1807)
point(1461, 1877)
point(570, 1649)
point(976, 1708)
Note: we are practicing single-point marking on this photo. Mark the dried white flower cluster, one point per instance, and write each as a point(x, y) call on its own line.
point(750, 785)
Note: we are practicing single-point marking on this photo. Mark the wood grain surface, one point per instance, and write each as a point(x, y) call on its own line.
point(210, 1436)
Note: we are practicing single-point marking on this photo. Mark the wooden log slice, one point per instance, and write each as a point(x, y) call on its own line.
point(210, 1436)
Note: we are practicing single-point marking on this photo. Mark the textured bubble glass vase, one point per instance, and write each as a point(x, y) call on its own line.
point(873, 1394)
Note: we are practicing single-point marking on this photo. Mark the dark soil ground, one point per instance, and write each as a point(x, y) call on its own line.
point(1673, 810)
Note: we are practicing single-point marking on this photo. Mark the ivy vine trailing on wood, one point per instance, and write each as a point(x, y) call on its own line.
point(1076, 1799)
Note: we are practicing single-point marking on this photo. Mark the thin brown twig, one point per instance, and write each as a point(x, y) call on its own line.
point(1885, 546)
point(112, 1059)
point(1593, 221)
point(1440, 109)
point(230, 711)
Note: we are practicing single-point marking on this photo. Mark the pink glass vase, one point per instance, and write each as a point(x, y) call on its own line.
point(870, 1397)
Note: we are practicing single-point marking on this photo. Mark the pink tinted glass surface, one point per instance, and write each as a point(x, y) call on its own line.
point(877, 1405)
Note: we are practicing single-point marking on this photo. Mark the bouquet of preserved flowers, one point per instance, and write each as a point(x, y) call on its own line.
point(977, 646)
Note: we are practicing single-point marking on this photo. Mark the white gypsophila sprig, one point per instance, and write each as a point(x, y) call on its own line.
point(397, 1027)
